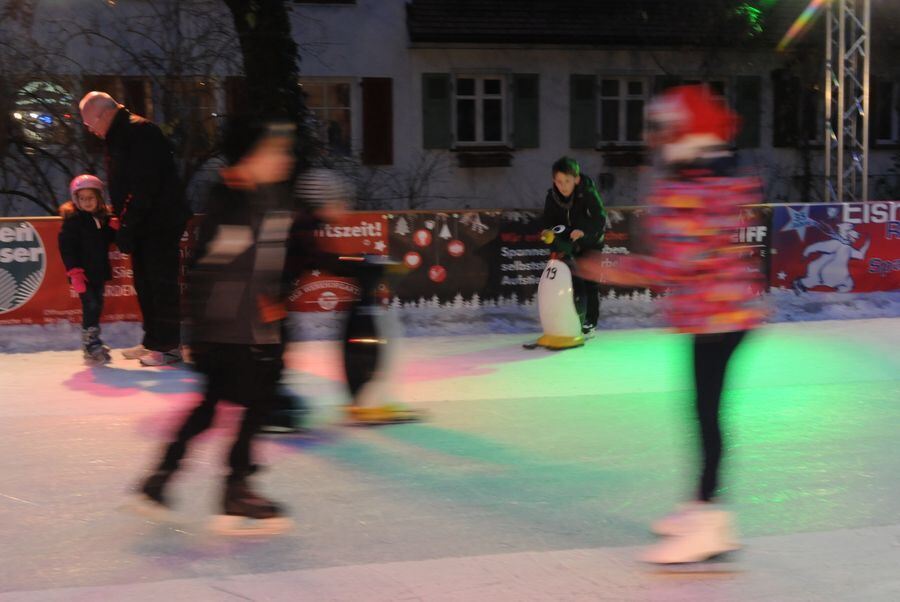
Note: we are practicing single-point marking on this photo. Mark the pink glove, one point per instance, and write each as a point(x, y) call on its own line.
point(78, 280)
point(114, 223)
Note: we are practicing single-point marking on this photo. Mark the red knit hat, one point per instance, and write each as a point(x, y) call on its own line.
point(692, 114)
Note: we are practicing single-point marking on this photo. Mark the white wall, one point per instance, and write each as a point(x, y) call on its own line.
point(370, 39)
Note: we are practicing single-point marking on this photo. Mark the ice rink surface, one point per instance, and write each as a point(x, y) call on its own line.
point(534, 479)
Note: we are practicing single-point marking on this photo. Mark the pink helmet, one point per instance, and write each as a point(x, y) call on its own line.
point(85, 181)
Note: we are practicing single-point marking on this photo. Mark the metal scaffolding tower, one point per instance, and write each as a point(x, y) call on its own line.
point(847, 100)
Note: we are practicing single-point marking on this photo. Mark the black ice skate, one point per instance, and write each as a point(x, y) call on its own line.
point(94, 351)
point(247, 513)
point(150, 501)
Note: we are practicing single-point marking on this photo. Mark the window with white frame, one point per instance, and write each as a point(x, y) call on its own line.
point(479, 109)
point(622, 103)
point(329, 104)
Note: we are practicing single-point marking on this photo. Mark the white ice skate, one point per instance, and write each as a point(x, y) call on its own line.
point(678, 521)
point(703, 533)
point(230, 524)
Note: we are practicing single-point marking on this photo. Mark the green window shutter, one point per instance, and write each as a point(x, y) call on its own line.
point(526, 110)
point(785, 108)
point(377, 121)
point(879, 112)
point(582, 111)
point(747, 104)
point(436, 122)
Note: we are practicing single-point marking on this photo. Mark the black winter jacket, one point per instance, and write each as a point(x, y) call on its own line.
point(83, 243)
point(582, 211)
point(238, 267)
point(143, 180)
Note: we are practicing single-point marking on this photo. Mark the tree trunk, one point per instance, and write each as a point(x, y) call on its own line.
point(271, 63)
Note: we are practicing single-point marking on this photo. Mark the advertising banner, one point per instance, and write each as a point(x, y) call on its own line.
point(327, 288)
point(444, 254)
point(491, 257)
point(846, 247)
point(754, 235)
point(518, 256)
point(34, 288)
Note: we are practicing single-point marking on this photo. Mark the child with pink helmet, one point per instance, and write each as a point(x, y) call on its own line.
point(87, 231)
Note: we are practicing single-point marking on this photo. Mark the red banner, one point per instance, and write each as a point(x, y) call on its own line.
point(846, 247)
point(34, 288)
point(323, 292)
point(355, 234)
point(839, 247)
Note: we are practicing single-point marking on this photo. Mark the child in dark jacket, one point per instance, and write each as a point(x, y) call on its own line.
point(84, 240)
point(237, 294)
point(573, 201)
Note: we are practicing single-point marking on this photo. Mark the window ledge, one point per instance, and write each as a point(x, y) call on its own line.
point(623, 156)
point(480, 148)
point(484, 156)
point(622, 148)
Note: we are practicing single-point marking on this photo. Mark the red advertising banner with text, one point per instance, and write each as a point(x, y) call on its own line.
point(34, 288)
point(840, 247)
point(355, 233)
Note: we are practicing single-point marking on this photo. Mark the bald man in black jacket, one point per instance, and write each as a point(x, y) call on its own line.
point(146, 195)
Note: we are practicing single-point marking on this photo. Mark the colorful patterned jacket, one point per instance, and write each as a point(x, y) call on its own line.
point(711, 284)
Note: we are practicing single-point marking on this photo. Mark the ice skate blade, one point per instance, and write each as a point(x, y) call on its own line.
point(97, 362)
point(231, 525)
point(698, 562)
point(364, 423)
point(144, 507)
point(384, 419)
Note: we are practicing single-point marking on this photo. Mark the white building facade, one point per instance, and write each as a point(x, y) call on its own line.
point(422, 116)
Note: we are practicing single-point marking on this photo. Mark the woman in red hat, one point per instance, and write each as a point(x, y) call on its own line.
point(713, 288)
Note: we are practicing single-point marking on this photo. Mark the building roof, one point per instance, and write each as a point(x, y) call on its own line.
point(595, 22)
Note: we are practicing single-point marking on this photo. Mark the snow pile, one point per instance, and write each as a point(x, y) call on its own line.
point(617, 311)
point(431, 318)
point(65, 335)
point(790, 307)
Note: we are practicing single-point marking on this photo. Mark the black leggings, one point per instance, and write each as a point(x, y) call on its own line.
point(155, 261)
point(92, 304)
point(587, 300)
point(246, 374)
point(711, 355)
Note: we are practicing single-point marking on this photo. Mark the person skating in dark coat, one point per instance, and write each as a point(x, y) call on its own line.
point(574, 201)
point(145, 192)
point(84, 240)
point(237, 305)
